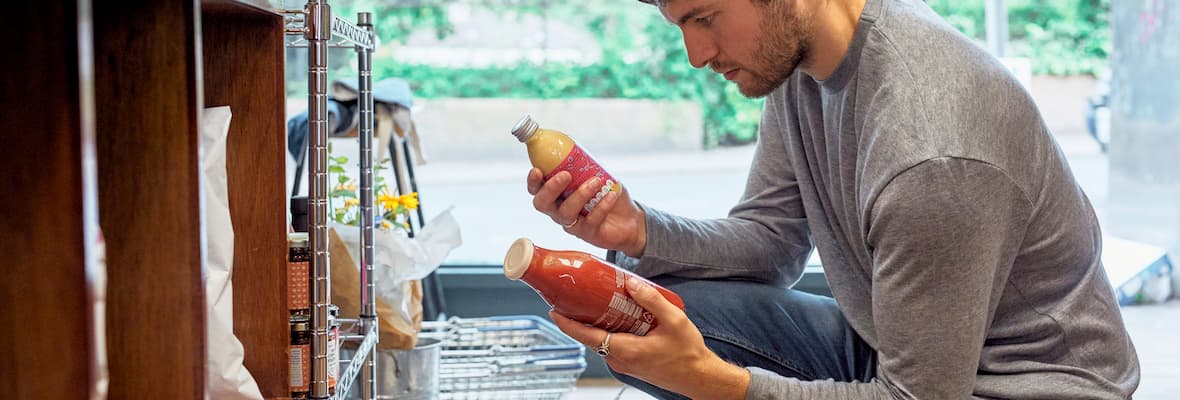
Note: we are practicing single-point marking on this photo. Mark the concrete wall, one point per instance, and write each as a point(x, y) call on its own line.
point(478, 129)
point(1062, 100)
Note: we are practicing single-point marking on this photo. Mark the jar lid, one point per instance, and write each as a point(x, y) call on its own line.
point(300, 323)
point(520, 254)
point(297, 239)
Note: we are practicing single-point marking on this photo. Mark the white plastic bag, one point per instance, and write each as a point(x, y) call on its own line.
point(397, 258)
point(226, 376)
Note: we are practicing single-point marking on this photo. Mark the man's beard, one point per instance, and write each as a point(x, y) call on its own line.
point(781, 48)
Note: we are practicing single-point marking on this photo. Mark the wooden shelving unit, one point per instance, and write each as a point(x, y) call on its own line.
point(48, 224)
point(147, 107)
point(101, 128)
point(243, 59)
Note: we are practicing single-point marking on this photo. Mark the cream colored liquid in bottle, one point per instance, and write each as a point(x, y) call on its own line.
point(553, 152)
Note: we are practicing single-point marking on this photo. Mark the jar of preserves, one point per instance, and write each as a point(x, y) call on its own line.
point(333, 347)
point(298, 274)
point(299, 356)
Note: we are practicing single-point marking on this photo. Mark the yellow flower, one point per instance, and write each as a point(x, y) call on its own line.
point(351, 186)
point(410, 200)
point(388, 201)
point(386, 225)
point(350, 203)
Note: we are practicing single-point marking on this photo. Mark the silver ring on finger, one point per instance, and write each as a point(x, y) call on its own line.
point(604, 348)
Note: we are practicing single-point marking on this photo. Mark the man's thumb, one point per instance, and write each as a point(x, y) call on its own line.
point(649, 298)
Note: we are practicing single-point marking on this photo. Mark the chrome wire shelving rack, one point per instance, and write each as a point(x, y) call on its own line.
point(315, 28)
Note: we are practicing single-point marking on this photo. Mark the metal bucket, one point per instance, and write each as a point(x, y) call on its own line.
point(404, 374)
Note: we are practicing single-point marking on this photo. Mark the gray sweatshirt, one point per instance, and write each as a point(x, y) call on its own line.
point(954, 237)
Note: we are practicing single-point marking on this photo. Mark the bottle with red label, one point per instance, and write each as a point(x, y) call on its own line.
point(583, 287)
point(553, 152)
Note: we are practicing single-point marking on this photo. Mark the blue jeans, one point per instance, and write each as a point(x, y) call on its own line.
point(791, 333)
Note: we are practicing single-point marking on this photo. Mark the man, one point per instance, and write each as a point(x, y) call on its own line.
point(963, 257)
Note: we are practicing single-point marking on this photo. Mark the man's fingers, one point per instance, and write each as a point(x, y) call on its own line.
point(584, 334)
point(535, 180)
point(592, 337)
point(572, 206)
point(545, 200)
point(651, 300)
point(599, 213)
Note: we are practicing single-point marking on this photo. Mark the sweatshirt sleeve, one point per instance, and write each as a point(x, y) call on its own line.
point(944, 235)
point(764, 238)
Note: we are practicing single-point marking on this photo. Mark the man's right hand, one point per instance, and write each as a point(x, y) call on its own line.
point(615, 223)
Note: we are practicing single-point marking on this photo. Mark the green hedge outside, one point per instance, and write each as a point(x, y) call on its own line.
point(1061, 37)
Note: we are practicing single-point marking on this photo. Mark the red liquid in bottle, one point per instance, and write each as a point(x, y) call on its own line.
point(583, 287)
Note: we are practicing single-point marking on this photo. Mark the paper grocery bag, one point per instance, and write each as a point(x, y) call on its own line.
point(399, 312)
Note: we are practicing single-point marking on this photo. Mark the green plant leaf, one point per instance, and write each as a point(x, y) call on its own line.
point(343, 193)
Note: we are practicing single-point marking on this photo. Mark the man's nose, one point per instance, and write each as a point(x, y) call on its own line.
point(700, 49)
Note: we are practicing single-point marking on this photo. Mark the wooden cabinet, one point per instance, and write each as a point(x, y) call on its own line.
point(48, 213)
point(243, 58)
point(243, 67)
point(147, 107)
point(101, 128)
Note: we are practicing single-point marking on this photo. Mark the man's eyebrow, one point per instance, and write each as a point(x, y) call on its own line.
point(690, 14)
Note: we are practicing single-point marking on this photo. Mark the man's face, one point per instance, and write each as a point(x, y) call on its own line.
point(757, 44)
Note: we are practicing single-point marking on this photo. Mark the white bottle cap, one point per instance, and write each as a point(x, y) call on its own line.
point(520, 254)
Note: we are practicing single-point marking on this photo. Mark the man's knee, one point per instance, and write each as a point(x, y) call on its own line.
point(723, 305)
point(760, 325)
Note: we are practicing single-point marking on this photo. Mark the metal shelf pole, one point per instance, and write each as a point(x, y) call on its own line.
point(368, 312)
point(319, 31)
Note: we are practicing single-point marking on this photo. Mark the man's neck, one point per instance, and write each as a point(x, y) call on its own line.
point(834, 24)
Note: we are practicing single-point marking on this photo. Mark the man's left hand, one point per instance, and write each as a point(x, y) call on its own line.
point(672, 356)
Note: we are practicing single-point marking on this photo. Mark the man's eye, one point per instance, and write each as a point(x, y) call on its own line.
point(705, 21)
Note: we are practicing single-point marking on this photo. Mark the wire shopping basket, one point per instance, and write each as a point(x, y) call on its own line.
point(505, 357)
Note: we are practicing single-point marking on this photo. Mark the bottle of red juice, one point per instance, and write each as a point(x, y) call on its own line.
point(583, 287)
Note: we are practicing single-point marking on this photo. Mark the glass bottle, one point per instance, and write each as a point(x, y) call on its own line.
point(553, 152)
point(583, 287)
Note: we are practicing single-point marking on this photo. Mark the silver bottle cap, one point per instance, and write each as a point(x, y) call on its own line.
point(524, 128)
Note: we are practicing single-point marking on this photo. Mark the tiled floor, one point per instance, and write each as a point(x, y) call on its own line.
point(605, 389)
point(1155, 329)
